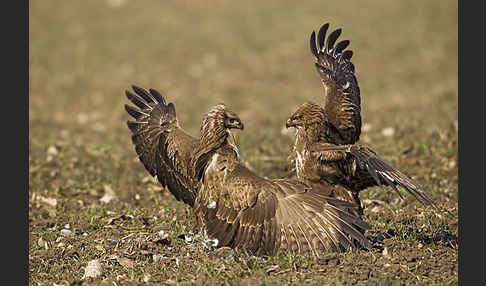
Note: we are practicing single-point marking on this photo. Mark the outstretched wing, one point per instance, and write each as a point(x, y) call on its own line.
point(364, 169)
point(268, 216)
point(342, 102)
point(162, 146)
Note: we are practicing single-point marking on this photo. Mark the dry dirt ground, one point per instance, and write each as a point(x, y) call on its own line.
point(91, 199)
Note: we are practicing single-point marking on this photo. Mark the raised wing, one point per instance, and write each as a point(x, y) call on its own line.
point(162, 146)
point(342, 102)
point(263, 216)
point(364, 169)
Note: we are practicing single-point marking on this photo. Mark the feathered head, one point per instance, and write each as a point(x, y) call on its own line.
point(215, 132)
point(220, 117)
point(308, 114)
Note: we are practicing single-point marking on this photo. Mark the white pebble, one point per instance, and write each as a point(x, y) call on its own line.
point(52, 150)
point(389, 131)
point(157, 257)
point(93, 269)
point(66, 232)
point(162, 234)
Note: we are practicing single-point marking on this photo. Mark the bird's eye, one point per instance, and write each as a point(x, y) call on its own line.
point(295, 117)
point(232, 120)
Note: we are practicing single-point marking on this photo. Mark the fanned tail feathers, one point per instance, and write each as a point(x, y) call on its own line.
point(384, 174)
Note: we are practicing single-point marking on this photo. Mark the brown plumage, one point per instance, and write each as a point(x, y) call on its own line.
point(319, 154)
point(342, 102)
point(263, 216)
point(231, 204)
point(163, 147)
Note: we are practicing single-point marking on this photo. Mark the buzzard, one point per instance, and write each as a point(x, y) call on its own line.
point(325, 150)
point(263, 216)
point(232, 205)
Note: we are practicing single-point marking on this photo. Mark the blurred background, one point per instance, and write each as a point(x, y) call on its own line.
point(253, 56)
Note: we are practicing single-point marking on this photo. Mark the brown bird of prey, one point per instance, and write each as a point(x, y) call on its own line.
point(232, 205)
point(325, 152)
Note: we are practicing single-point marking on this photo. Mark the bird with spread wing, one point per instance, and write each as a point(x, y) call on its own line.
point(326, 150)
point(163, 147)
point(233, 205)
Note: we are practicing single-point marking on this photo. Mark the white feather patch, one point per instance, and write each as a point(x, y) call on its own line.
point(388, 176)
point(211, 165)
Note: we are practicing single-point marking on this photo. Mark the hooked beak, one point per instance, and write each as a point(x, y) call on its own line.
point(238, 125)
point(289, 123)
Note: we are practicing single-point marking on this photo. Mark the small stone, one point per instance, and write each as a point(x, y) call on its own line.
point(40, 242)
point(109, 195)
point(52, 150)
point(66, 232)
point(162, 234)
point(107, 198)
point(157, 257)
point(389, 131)
point(93, 269)
point(125, 262)
point(50, 201)
point(386, 252)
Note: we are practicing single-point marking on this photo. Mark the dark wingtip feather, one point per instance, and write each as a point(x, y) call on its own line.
point(347, 55)
point(144, 94)
point(133, 126)
point(332, 39)
point(136, 100)
point(322, 35)
point(157, 96)
point(340, 46)
point(135, 113)
point(313, 44)
point(171, 109)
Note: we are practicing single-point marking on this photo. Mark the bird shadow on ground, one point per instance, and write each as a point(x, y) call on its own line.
point(442, 237)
